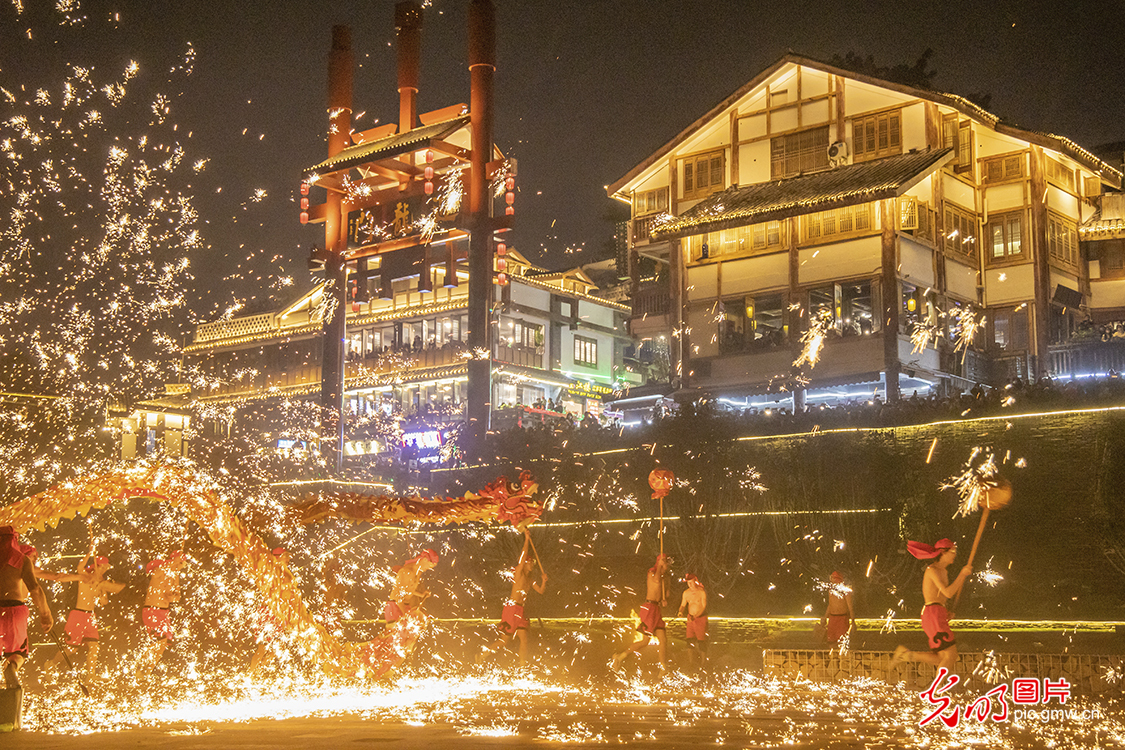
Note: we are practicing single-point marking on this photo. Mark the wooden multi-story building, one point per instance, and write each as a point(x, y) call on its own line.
point(557, 349)
point(890, 208)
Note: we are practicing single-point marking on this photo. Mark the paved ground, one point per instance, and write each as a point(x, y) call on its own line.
point(570, 700)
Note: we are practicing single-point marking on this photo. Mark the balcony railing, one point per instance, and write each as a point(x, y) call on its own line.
point(642, 227)
point(528, 356)
point(1086, 357)
point(651, 301)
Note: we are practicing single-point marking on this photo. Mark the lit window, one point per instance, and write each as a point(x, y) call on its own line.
point(799, 153)
point(702, 174)
point(1005, 236)
point(961, 230)
point(585, 351)
point(878, 135)
point(1062, 240)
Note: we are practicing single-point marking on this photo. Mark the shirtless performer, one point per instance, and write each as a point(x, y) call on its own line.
point(695, 630)
point(652, 621)
point(936, 590)
point(512, 620)
point(409, 592)
point(17, 582)
point(839, 617)
point(163, 590)
point(93, 591)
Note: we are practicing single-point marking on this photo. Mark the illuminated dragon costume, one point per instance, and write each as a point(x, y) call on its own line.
point(500, 502)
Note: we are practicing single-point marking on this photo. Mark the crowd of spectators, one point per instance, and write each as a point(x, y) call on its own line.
point(1017, 397)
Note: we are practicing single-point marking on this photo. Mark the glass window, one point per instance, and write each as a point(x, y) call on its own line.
point(799, 153)
point(585, 351)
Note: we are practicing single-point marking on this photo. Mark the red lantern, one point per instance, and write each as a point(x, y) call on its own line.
point(304, 217)
point(501, 248)
point(429, 155)
point(429, 188)
point(510, 210)
point(509, 197)
point(501, 278)
point(661, 482)
point(501, 264)
point(429, 172)
point(304, 204)
point(510, 183)
point(304, 188)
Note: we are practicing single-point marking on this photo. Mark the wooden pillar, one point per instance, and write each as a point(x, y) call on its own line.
point(733, 147)
point(408, 39)
point(888, 209)
point(336, 244)
point(482, 68)
point(1040, 262)
point(678, 342)
point(790, 227)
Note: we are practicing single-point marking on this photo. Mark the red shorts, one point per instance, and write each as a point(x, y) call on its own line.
point(13, 628)
point(651, 618)
point(696, 628)
point(935, 621)
point(512, 619)
point(837, 626)
point(157, 622)
point(80, 627)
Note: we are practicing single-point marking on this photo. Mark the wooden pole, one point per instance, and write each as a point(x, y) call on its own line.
point(662, 524)
point(973, 551)
point(536, 552)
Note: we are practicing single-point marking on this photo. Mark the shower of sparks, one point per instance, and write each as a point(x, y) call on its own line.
point(965, 324)
point(813, 339)
point(888, 622)
point(988, 575)
point(978, 475)
point(922, 335)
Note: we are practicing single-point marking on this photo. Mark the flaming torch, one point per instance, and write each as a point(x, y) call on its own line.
point(980, 487)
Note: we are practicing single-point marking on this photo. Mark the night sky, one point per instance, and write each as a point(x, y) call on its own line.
point(585, 90)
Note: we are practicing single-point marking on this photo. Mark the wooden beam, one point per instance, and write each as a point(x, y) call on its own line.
point(458, 153)
point(1041, 264)
point(891, 303)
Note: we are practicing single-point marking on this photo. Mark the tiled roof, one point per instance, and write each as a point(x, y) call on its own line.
point(1110, 228)
point(392, 145)
point(1048, 140)
point(769, 201)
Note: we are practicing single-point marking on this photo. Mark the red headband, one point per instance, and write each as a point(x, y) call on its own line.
point(10, 547)
point(836, 577)
point(923, 551)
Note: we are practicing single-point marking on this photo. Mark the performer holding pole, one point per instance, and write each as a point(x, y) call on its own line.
point(936, 591)
point(513, 622)
point(409, 592)
point(651, 620)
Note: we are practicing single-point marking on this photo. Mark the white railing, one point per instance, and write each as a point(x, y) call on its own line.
point(226, 329)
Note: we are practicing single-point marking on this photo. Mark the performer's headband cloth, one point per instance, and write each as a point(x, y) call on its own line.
point(923, 551)
point(426, 554)
point(10, 552)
